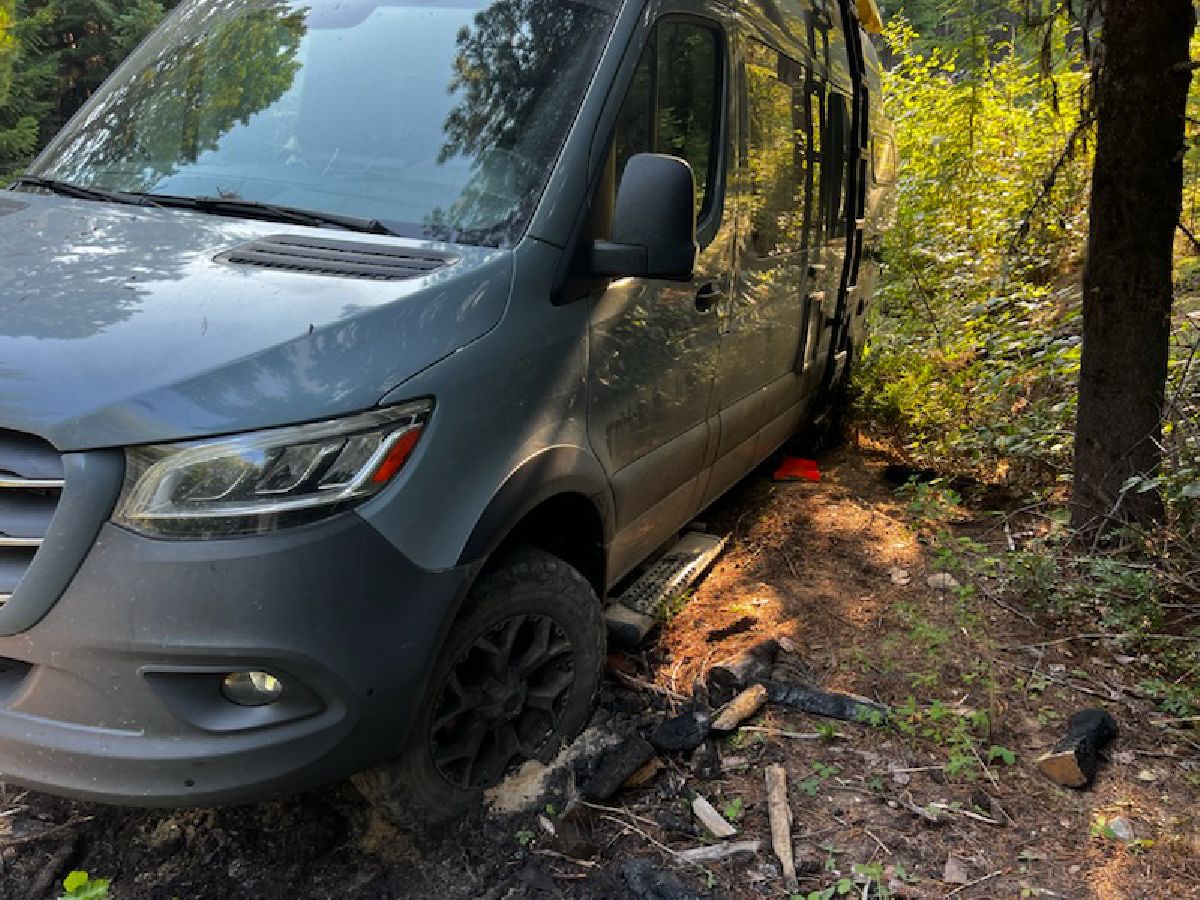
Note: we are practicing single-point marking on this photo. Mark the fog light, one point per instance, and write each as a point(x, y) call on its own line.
point(251, 688)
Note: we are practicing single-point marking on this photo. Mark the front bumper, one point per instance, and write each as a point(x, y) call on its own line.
point(114, 695)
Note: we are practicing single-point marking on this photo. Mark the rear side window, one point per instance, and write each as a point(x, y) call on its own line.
point(776, 151)
point(883, 156)
point(837, 160)
point(673, 105)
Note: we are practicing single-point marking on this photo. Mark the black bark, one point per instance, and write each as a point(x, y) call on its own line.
point(821, 703)
point(1141, 98)
point(1074, 759)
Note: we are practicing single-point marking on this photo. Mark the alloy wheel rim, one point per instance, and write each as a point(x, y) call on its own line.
point(502, 701)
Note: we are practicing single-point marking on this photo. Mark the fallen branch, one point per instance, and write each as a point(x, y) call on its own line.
point(795, 735)
point(641, 685)
point(1096, 636)
point(977, 881)
point(27, 838)
point(780, 815)
point(1062, 682)
point(719, 852)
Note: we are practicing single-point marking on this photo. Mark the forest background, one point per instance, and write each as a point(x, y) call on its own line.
point(973, 363)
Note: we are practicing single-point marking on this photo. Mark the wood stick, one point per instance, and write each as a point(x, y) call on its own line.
point(642, 685)
point(718, 852)
point(977, 881)
point(711, 819)
point(780, 814)
point(740, 708)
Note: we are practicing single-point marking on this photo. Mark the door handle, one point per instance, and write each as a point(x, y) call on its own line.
point(709, 295)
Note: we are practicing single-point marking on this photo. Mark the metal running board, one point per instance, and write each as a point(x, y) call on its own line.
point(673, 573)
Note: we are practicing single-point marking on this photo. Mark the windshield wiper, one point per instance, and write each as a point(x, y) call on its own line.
point(254, 209)
point(79, 192)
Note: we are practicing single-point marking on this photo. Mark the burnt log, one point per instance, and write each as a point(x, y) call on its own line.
point(615, 768)
point(823, 703)
point(729, 677)
point(1074, 759)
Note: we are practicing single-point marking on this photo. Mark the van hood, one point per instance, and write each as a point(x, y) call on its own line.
point(119, 325)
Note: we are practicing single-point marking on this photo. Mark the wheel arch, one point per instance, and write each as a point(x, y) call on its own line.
point(558, 500)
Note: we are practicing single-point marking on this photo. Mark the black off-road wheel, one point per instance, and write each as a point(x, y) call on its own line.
point(516, 679)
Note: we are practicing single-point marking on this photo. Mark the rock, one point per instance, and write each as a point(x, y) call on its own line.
point(1147, 775)
point(955, 871)
point(1121, 830)
point(616, 766)
point(649, 881)
point(684, 732)
point(943, 581)
point(899, 576)
point(626, 627)
point(740, 708)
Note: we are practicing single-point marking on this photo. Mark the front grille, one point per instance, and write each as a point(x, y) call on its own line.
point(31, 482)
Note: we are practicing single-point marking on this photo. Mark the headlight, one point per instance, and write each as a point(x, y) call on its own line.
point(265, 480)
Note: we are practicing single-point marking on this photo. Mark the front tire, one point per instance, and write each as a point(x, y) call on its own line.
point(516, 679)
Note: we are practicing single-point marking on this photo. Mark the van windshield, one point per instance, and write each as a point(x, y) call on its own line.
point(440, 119)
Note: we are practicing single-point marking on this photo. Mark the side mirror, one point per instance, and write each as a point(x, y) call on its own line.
point(654, 223)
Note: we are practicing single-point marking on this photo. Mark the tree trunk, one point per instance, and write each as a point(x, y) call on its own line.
point(1141, 99)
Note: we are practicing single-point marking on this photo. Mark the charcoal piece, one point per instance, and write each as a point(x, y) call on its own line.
point(615, 767)
point(681, 733)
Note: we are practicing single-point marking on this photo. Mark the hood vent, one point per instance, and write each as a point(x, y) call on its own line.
point(346, 259)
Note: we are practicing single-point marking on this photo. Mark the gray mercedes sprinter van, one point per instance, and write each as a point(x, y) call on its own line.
point(351, 351)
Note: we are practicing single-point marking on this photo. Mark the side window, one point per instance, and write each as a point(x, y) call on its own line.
point(688, 97)
point(674, 103)
point(816, 113)
point(635, 127)
point(776, 152)
point(836, 161)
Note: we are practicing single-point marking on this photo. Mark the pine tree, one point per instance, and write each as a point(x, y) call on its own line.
point(57, 53)
point(27, 82)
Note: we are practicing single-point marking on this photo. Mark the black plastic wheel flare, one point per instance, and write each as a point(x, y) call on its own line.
point(502, 701)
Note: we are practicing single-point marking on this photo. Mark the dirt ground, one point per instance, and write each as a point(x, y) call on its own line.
point(838, 570)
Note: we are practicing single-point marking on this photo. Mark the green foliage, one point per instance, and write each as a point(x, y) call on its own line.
point(53, 56)
point(733, 809)
point(974, 353)
point(960, 734)
point(80, 887)
point(820, 774)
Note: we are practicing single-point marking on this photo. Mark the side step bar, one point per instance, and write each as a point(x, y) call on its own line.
point(632, 614)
